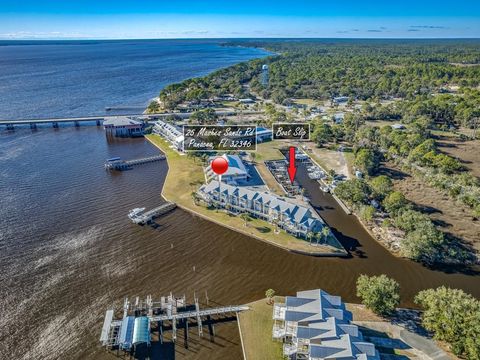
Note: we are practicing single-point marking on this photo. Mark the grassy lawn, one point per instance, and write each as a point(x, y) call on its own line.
point(328, 159)
point(256, 326)
point(270, 150)
point(185, 175)
point(309, 102)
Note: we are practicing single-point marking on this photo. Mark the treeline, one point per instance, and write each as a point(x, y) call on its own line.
point(412, 147)
point(451, 315)
point(363, 70)
point(225, 81)
point(423, 242)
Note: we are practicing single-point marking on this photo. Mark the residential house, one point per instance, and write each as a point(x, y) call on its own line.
point(315, 325)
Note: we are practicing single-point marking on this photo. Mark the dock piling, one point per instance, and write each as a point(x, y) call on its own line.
point(185, 333)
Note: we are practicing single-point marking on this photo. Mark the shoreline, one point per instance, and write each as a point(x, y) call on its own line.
point(341, 253)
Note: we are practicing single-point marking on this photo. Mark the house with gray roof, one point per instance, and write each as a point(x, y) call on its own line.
point(123, 126)
point(315, 325)
point(235, 174)
point(296, 219)
point(170, 132)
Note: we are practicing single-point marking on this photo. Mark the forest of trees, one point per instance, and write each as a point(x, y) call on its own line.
point(432, 85)
point(364, 70)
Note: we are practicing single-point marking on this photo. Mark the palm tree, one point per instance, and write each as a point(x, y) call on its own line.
point(195, 197)
point(270, 293)
point(245, 217)
point(326, 233)
point(310, 236)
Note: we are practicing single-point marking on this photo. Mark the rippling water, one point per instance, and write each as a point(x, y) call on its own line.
point(80, 78)
point(68, 251)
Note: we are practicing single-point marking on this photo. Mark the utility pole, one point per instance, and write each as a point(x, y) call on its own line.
point(475, 119)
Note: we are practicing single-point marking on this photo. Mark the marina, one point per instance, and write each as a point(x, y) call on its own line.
point(142, 318)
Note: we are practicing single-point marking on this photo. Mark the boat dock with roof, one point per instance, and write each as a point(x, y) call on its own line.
point(138, 216)
point(143, 318)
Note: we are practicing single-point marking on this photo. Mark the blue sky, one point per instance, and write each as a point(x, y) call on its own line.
point(106, 19)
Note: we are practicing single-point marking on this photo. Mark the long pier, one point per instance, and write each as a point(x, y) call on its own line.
point(119, 164)
point(195, 314)
point(146, 217)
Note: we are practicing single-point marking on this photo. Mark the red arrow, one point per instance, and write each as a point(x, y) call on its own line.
point(292, 169)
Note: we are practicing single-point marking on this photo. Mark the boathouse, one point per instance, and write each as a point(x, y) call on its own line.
point(123, 126)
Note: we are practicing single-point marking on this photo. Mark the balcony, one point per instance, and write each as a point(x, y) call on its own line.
point(289, 349)
point(279, 311)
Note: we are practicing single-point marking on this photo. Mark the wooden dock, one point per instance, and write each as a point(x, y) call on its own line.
point(121, 165)
point(146, 217)
point(166, 315)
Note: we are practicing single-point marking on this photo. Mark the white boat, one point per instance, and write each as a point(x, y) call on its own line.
point(135, 212)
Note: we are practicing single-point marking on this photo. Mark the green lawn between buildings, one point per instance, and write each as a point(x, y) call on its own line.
point(256, 327)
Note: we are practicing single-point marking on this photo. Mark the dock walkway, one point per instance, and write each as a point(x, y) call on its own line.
point(120, 164)
point(142, 318)
point(195, 313)
point(146, 217)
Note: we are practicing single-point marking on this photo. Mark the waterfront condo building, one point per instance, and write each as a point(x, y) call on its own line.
point(296, 219)
point(315, 325)
point(170, 132)
point(235, 174)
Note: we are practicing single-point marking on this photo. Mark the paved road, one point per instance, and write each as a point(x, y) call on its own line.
point(427, 346)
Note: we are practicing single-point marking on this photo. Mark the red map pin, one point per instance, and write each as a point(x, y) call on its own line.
point(219, 165)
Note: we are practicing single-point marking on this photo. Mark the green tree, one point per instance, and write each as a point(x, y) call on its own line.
point(394, 202)
point(453, 316)
point(382, 186)
point(270, 293)
point(380, 294)
point(325, 234)
point(446, 163)
point(194, 197)
point(367, 212)
point(408, 220)
point(423, 244)
point(421, 150)
point(354, 191)
point(204, 117)
point(322, 134)
point(246, 218)
point(366, 161)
